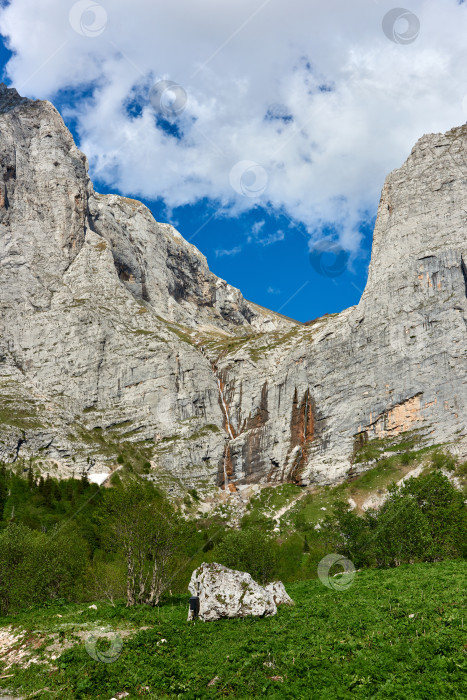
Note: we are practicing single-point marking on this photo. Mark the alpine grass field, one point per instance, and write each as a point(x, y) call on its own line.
point(398, 633)
point(396, 628)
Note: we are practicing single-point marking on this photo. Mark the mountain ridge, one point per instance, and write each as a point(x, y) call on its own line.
point(116, 338)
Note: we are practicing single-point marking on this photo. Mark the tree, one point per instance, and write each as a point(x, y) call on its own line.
point(444, 513)
point(47, 490)
point(35, 567)
point(349, 534)
point(106, 580)
point(249, 550)
point(402, 534)
point(423, 519)
point(84, 482)
point(144, 526)
point(31, 481)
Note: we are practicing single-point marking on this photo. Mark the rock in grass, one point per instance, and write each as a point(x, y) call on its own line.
point(226, 593)
point(279, 594)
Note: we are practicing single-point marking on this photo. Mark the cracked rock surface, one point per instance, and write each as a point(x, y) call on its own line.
point(114, 332)
point(226, 593)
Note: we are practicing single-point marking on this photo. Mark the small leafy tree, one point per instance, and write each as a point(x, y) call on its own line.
point(106, 580)
point(402, 534)
point(143, 525)
point(350, 534)
point(249, 550)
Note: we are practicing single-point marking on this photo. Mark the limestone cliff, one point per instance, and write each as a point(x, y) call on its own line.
point(116, 339)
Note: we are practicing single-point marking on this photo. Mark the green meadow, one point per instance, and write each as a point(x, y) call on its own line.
point(395, 633)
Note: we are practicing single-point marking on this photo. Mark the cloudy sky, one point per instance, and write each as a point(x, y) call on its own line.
point(262, 129)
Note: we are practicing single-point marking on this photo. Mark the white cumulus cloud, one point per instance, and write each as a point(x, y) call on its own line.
point(228, 251)
point(314, 96)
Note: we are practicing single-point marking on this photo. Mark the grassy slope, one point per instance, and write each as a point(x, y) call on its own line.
point(333, 644)
point(387, 461)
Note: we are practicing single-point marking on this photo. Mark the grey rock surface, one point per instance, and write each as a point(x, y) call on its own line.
point(116, 339)
point(98, 301)
point(226, 593)
point(279, 594)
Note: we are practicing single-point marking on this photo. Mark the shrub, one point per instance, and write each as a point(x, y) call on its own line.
point(36, 567)
point(423, 519)
point(252, 551)
point(106, 581)
point(440, 460)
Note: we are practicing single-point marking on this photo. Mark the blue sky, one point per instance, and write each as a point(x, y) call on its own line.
point(279, 275)
point(312, 107)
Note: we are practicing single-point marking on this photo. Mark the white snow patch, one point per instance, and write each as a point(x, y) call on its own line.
point(98, 477)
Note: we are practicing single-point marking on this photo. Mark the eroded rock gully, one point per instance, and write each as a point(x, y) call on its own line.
point(114, 331)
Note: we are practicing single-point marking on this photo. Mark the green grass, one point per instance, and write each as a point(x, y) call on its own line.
point(205, 430)
point(18, 411)
point(180, 332)
point(276, 340)
point(275, 497)
point(308, 510)
point(359, 643)
point(111, 443)
point(373, 481)
point(373, 449)
point(387, 470)
point(227, 346)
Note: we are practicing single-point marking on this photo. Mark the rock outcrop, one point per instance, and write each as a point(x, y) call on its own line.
point(226, 593)
point(278, 593)
point(116, 341)
point(97, 305)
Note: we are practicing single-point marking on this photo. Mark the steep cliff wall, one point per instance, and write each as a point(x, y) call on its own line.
point(394, 363)
point(116, 338)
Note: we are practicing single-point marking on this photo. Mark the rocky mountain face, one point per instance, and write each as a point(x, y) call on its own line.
point(117, 344)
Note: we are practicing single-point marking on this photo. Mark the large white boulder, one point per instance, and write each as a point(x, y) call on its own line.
point(226, 593)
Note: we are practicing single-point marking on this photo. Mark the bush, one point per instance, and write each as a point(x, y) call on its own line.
point(443, 461)
point(106, 581)
point(252, 551)
point(35, 567)
point(423, 519)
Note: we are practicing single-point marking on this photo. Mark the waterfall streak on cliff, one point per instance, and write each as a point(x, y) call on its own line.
point(226, 478)
point(226, 411)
